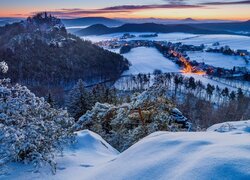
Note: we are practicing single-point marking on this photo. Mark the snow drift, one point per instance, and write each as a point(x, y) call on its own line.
point(185, 155)
point(219, 153)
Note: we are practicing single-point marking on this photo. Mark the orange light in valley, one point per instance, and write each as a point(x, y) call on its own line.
point(188, 68)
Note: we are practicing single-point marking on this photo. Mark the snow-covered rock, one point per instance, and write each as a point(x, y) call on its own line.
point(88, 151)
point(161, 155)
point(185, 155)
point(238, 127)
point(89, 141)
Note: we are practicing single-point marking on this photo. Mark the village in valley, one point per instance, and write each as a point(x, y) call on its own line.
point(177, 53)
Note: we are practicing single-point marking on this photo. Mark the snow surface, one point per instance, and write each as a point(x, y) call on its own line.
point(235, 127)
point(146, 60)
point(90, 150)
point(221, 152)
point(218, 59)
point(233, 41)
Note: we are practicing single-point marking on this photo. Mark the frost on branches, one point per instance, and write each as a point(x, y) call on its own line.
point(125, 124)
point(3, 67)
point(31, 131)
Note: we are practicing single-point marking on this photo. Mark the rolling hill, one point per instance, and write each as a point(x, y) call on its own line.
point(242, 28)
point(99, 29)
point(88, 21)
point(235, 27)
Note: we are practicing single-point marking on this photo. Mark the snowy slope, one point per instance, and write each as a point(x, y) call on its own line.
point(222, 152)
point(197, 155)
point(90, 150)
point(218, 60)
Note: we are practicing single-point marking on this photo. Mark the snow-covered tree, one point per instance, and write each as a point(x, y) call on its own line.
point(3, 67)
point(125, 124)
point(78, 100)
point(31, 131)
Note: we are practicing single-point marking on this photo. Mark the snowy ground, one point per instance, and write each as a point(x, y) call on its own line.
point(222, 152)
point(90, 151)
point(218, 59)
point(233, 41)
point(146, 60)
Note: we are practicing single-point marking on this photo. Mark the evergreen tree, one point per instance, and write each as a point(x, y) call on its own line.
point(50, 100)
point(78, 100)
point(192, 84)
point(210, 89)
point(232, 95)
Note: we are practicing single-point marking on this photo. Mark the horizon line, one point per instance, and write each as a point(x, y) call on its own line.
point(133, 18)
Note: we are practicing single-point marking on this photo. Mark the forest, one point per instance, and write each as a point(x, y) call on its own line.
point(44, 57)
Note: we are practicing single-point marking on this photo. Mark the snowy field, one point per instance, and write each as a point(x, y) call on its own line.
point(146, 60)
point(233, 41)
point(222, 152)
point(218, 59)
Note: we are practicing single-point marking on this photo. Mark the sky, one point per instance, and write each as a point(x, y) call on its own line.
point(165, 9)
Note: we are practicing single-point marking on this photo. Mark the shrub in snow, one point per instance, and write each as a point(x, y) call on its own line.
point(31, 131)
point(125, 124)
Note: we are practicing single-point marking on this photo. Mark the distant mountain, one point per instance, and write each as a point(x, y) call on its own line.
point(88, 21)
point(42, 54)
point(99, 29)
point(169, 21)
point(229, 27)
point(191, 26)
point(4, 21)
point(189, 20)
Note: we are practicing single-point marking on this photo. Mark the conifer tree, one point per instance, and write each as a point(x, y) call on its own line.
point(50, 100)
point(78, 100)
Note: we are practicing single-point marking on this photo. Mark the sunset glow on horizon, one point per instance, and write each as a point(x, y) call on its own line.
point(164, 9)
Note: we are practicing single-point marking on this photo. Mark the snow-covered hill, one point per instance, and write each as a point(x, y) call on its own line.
point(196, 155)
point(89, 152)
point(222, 152)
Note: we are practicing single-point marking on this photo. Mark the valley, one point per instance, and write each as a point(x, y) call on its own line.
point(145, 60)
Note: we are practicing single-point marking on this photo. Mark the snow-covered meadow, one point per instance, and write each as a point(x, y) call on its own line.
point(146, 60)
point(218, 59)
point(221, 152)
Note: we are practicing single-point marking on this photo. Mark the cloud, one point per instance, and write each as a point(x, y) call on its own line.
point(156, 6)
point(79, 12)
point(179, 2)
point(226, 3)
point(118, 9)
